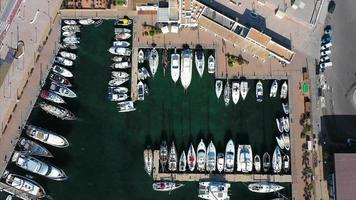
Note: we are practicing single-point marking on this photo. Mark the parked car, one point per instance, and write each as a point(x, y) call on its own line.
point(325, 65)
point(328, 30)
point(325, 52)
point(324, 59)
point(326, 46)
point(331, 6)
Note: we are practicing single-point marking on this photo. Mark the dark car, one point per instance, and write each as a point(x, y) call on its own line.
point(328, 30)
point(331, 6)
point(326, 38)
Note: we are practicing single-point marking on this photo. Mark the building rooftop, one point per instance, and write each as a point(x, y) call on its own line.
point(345, 176)
point(258, 37)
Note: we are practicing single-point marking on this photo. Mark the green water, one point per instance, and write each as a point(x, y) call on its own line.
point(104, 159)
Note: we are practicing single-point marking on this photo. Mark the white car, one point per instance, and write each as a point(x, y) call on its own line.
point(326, 46)
point(324, 59)
point(325, 52)
point(325, 65)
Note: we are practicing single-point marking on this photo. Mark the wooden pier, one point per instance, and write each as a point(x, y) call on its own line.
point(18, 193)
point(157, 176)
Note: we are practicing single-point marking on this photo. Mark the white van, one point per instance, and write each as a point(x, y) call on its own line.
point(325, 46)
point(325, 52)
point(325, 65)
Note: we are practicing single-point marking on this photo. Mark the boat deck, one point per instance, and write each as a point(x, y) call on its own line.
point(18, 193)
point(157, 176)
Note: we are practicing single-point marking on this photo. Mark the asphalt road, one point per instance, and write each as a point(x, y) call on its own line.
point(342, 76)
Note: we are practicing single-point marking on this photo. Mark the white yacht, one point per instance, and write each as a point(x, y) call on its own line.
point(186, 68)
point(200, 61)
point(36, 166)
point(220, 162)
point(148, 160)
point(286, 140)
point(284, 90)
point(211, 157)
point(46, 136)
point(257, 163)
point(192, 158)
point(259, 91)
point(218, 88)
point(175, 66)
point(274, 89)
point(172, 158)
point(141, 56)
point(280, 142)
point(126, 106)
point(120, 51)
point(68, 55)
point(235, 92)
point(182, 162)
point(286, 163)
point(153, 61)
point(243, 89)
point(214, 190)
point(201, 156)
point(211, 64)
point(277, 160)
point(229, 157)
point(227, 93)
point(25, 185)
point(140, 91)
point(62, 71)
point(264, 187)
point(244, 158)
point(286, 124)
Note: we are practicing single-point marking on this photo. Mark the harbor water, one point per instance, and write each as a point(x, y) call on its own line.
point(105, 156)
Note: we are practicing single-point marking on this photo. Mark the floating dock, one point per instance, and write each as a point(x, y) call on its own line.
point(18, 193)
point(157, 176)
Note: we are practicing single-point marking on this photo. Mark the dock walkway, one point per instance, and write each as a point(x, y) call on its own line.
point(157, 176)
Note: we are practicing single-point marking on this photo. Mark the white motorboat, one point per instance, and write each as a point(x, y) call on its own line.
point(126, 106)
point(211, 64)
point(62, 71)
point(37, 166)
point(214, 190)
point(62, 90)
point(286, 124)
point(57, 111)
point(279, 123)
point(286, 141)
point(69, 46)
point(235, 92)
point(286, 163)
point(119, 43)
point(68, 55)
point(259, 91)
point(119, 90)
point(285, 107)
point(51, 96)
point(117, 81)
point(140, 91)
point(117, 97)
point(201, 156)
point(264, 187)
point(120, 51)
point(211, 157)
point(163, 155)
point(172, 158)
point(71, 28)
point(166, 186)
point(192, 158)
point(121, 65)
point(218, 88)
point(229, 157)
point(280, 142)
point(68, 34)
point(200, 61)
point(122, 36)
point(60, 79)
point(148, 160)
point(25, 185)
point(121, 30)
point(182, 162)
point(70, 22)
point(143, 73)
point(243, 89)
point(266, 162)
point(257, 163)
point(284, 90)
point(121, 59)
point(227, 93)
point(175, 66)
point(119, 74)
point(141, 56)
point(153, 61)
point(46, 136)
point(32, 148)
point(87, 21)
point(244, 158)
point(186, 68)
point(220, 162)
point(71, 40)
point(122, 22)
point(63, 61)
point(277, 160)
point(274, 89)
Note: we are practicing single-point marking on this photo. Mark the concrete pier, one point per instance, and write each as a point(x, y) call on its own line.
point(157, 176)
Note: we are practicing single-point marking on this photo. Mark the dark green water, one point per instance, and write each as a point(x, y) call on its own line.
point(104, 159)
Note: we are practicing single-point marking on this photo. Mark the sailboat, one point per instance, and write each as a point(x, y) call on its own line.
point(211, 157)
point(274, 89)
point(153, 61)
point(220, 162)
point(201, 156)
point(227, 93)
point(175, 66)
point(284, 90)
point(264, 187)
point(257, 163)
point(235, 92)
point(163, 154)
point(285, 107)
point(192, 159)
point(166, 186)
point(200, 61)
point(211, 64)
point(148, 160)
point(286, 140)
point(286, 163)
point(243, 89)
point(229, 157)
point(277, 160)
point(280, 142)
point(182, 162)
point(244, 158)
point(266, 162)
point(218, 88)
point(186, 68)
point(172, 159)
point(259, 91)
